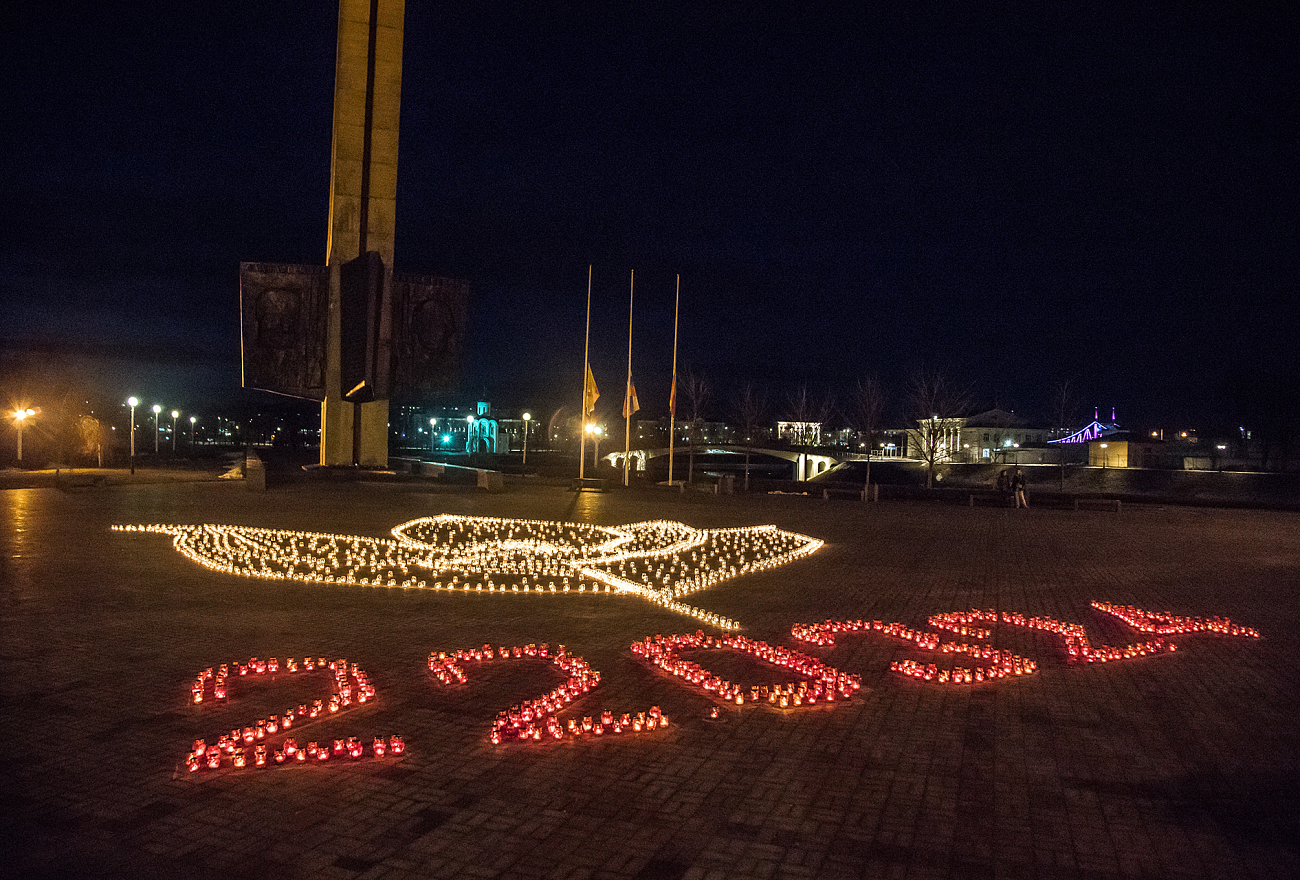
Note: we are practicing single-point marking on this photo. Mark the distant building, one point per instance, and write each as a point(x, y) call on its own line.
point(992, 436)
point(800, 433)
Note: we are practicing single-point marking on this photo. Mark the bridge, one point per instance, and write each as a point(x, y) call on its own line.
point(806, 464)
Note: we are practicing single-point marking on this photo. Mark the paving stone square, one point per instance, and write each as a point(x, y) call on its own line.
point(1182, 764)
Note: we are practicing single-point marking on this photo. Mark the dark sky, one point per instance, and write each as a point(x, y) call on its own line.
point(1012, 194)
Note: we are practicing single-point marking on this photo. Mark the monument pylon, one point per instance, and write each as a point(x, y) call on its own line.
point(362, 221)
point(352, 333)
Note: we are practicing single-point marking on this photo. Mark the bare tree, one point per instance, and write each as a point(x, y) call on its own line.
point(1065, 402)
point(1065, 411)
point(806, 410)
point(697, 392)
point(90, 434)
point(750, 411)
point(937, 406)
point(868, 415)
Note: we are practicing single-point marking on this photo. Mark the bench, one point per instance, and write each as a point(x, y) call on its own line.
point(588, 484)
point(1002, 499)
point(80, 481)
point(858, 493)
point(1099, 504)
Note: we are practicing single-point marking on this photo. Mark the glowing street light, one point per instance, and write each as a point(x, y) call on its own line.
point(433, 435)
point(133, 402)
point(175, 413)
point(157, 410)
point(21, 416)
point(193, 419)
point(595, 431)
point(528, 417)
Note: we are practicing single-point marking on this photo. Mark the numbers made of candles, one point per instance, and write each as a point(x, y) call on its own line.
point(250, 745)
point(998, 663)
point(820, 683)
point(536, 720)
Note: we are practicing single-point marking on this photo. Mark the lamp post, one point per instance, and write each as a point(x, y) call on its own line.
point(469, 435)
point(433, 435)
point(20, 416)
point(175, 414)
point(157, 411)
point(133, 402)
point(193, 419)
point(528, 417)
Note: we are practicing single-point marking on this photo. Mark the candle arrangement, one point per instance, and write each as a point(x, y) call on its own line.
point(659, 560)
point(349, 686)
point(1166, 624)
point(999, 663)
point(821, 683)
point(536, 720)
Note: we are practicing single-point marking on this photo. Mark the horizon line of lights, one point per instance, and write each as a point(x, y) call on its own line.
point(536, 720)
point(658, 560)
point(350, 686)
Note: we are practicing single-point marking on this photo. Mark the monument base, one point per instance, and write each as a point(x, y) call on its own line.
point(337, 431)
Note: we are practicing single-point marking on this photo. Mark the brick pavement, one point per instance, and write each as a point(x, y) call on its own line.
point(1181, 765)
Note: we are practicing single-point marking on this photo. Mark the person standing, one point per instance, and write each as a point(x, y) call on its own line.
point(1018, 485)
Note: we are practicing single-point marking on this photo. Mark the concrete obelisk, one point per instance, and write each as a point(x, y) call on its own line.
point(362, 207)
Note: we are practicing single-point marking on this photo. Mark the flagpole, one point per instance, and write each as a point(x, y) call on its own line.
point(582, 423)
point(627, 392)
point(672, 397)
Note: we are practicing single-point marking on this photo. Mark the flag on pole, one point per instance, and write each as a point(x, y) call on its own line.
point(672, 398)
point(589, 394)
point(630, 404)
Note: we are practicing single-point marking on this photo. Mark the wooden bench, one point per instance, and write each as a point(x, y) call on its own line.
point(588, 484)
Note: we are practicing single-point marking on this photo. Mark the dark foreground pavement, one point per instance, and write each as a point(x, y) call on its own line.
point(1181, 765)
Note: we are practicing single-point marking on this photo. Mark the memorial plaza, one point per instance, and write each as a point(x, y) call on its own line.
point(1181, 764)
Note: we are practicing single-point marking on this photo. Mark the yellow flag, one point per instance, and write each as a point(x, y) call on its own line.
point(630, 404)
point(589, 394)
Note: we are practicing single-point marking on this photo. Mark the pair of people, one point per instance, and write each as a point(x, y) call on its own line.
point(1014, 486)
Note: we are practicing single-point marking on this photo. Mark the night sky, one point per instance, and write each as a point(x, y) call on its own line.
point(1012, 195)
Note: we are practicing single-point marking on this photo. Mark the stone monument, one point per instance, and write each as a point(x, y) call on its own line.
point(352, 333)
point(362, 217)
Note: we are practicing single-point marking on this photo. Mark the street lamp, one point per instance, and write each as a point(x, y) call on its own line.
point(20, 416)
point(133, 402)
point(175, 413)
point(433, 435)
point(193, 419)
point(157, 410)
point(528, 417)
